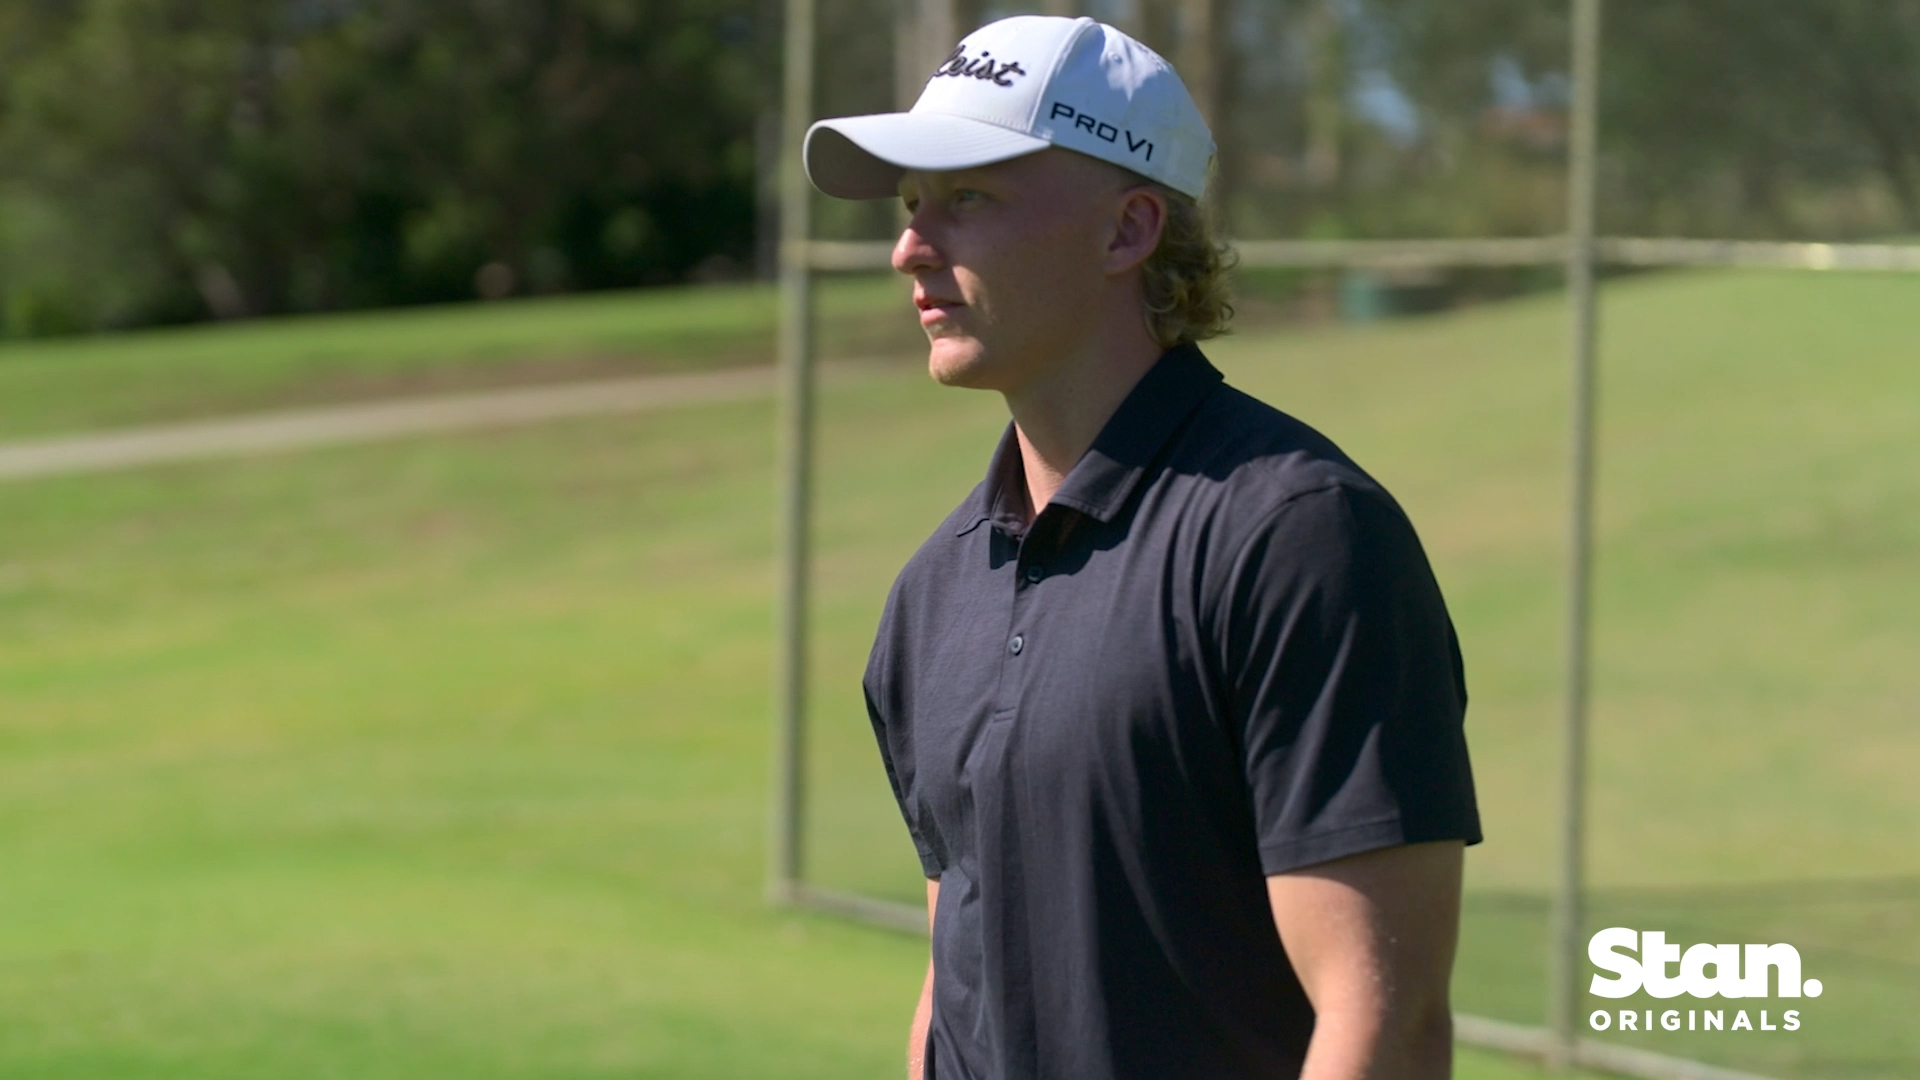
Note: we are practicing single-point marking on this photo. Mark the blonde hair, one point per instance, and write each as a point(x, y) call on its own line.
point(1187, 293)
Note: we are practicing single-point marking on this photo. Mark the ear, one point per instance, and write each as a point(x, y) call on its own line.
point(1139, 218)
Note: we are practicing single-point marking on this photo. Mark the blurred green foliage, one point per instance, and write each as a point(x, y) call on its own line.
point(1741, 118)
point(163, 160)
point(173, 160)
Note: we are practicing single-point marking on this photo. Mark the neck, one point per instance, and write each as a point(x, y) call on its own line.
point(1059, 413)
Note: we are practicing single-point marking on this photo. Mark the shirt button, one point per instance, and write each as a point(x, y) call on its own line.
point(1019, 642)
point(1035, 573)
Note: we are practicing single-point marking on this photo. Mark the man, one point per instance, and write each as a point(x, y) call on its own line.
point(1171, 703)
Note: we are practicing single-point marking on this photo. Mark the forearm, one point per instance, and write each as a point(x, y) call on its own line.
point(923, 1012)
point(1375, 1042)
point(917, 1036)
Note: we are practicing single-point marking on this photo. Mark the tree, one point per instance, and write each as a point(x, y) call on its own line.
point(233, 157)
point(1718, 117)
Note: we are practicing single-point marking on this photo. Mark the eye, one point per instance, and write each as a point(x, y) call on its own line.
point(964, 198)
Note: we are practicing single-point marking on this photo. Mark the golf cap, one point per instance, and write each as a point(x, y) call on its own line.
point(1017, 86)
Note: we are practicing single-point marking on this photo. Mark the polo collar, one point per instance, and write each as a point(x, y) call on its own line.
point(1107, 474)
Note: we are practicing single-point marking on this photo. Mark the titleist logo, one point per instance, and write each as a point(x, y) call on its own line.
point(959, 66)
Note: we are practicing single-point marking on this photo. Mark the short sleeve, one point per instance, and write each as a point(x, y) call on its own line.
point(893, 730)
point(1348, 693)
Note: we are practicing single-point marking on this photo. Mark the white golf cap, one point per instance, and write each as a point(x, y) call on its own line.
point(1020, 85)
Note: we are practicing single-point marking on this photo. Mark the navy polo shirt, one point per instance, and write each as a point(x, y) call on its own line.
point(1219, 653)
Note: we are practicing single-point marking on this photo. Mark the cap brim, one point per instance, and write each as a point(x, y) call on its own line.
point(862, 157)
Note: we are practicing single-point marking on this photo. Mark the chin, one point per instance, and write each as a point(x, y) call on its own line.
point(954, 360)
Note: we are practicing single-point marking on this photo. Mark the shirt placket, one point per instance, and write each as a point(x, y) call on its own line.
point(1032, 553)
point(1025, 635)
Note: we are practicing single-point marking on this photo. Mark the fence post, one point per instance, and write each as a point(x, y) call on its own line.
point(1199, 69)
point(795, 449)
point(1563, 993)
point(924, 32)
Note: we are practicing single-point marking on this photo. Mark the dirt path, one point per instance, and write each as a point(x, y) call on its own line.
point(299, 429)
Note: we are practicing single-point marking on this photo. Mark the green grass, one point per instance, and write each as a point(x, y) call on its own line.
point(159, 375)
point(449, 757)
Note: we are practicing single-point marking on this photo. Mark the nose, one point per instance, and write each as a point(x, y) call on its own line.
point(914, 252)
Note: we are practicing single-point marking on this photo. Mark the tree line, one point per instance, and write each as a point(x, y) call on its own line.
point(173, 160)
point(169, 160)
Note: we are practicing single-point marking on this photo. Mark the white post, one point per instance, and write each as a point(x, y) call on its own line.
point(795, 447)
point(1563, 991)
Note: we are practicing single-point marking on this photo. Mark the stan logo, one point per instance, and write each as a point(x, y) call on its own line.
point(1610, 951)
point(1607, 950)
point(983, 67)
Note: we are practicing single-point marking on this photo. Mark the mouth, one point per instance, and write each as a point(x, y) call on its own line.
point(934, 308)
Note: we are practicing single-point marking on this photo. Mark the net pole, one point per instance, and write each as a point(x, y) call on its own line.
point(795, 452)
point(1564, 964)
point(1198, 37)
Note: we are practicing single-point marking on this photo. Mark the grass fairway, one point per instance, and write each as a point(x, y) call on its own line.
point(113, 380)
point(448, 758)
